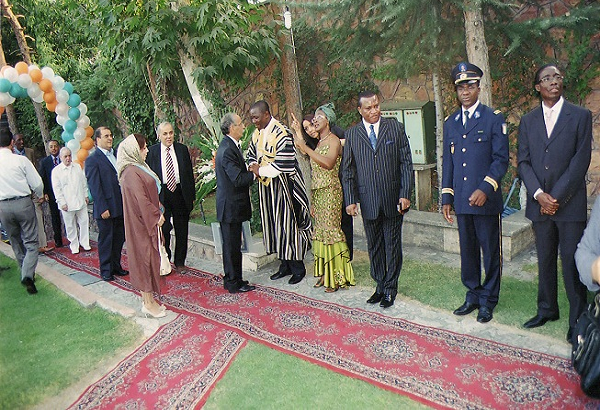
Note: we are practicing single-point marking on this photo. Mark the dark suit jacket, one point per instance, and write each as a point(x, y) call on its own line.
point(186, 173)
point(377, 178)
point(481, 165)
point(46, 167)
point(104, 185)
point(557, 164)
point(233, 182)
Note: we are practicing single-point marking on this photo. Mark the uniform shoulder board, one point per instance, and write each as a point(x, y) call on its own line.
point(446, 118)
point(497, 112)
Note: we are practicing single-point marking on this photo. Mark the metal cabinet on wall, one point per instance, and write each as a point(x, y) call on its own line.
point(418, 118)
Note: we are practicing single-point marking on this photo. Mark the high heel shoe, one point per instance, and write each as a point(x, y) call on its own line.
point(331, 290)
point(319, 282)
point(147, 312)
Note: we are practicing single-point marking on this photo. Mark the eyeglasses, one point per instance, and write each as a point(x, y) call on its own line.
point(548, 78)
point(319, 117)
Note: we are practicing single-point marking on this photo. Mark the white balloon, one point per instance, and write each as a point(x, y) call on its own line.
point(33, 67)
point(4, 99)
point(83, 121)
point(11, 74)
point(82, 109)
point(58, 83)
point(62, 109)
point(74, 146)
point(34, 91)
point(48, 73)
point(12, 99)
point(61, 119)
point(38, 98)
point(79, 134)
point(24, 80)
point(62, 96)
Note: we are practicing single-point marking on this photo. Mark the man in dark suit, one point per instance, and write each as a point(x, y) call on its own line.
point(555, 143)
point(233, 200)
point(171, 161)
point(377, 172)
point(47, 164)
point(475, 160)
point(101, 174)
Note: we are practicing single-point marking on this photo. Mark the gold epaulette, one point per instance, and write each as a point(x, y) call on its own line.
point(497, 112)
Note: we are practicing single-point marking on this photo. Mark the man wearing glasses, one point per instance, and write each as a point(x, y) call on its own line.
point(475, 160)
point(555, 143)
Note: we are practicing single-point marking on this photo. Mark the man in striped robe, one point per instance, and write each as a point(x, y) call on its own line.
point(284, 208)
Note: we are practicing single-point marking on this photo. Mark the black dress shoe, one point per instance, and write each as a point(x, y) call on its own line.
point(375, 298)
point(466, 308)
point(243, 289)
point(387, 301)
point(484, 315)
point(121, 272)
point(295, 279)
point(280, 275)
point(538, 321)
point(28, 283)
point(107, 278)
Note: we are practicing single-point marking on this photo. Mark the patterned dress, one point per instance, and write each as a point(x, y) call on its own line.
point(332, 258)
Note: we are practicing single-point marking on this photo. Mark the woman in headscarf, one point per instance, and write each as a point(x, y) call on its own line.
point(332, 260)
point(142, 213)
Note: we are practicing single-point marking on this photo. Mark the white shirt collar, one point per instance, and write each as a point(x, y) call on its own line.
point(472, 109)
point(375, 126)
point(556, 108)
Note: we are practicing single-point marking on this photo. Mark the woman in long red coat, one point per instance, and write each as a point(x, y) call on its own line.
point(142, 213)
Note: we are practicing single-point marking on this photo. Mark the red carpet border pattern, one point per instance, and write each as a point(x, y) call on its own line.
point(437, 367)
point(175, 368)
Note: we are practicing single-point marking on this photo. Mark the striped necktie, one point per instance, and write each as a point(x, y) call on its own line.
point(372, 136)
point(171, 182)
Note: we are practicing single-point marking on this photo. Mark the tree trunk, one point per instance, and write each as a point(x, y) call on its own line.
point(477, 50)
point(439, 133)
point(25, 52)
point(291, 91)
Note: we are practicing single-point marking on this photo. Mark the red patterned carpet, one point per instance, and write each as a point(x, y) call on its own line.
point(439, 368)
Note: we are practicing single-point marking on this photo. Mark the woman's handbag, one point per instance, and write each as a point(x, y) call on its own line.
point(586, 349)
point(165, 265)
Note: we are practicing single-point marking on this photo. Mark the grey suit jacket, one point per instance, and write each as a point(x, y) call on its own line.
point(557, 164)
point(377, 178)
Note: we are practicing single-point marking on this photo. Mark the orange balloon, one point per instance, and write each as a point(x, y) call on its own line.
point(78, 163)
point(36, 75)
point(82, 154)
point(1, 110)
point(51, 106)
point(87, 143)
point(22, 67)
point(50, 97)
point(45, 85)
point(89, 131)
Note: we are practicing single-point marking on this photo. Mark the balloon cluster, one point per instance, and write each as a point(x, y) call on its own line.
point(42, 85)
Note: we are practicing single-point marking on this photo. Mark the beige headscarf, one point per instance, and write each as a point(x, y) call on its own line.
point(129, 154)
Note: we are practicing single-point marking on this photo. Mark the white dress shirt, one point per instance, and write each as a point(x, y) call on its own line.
point(163, 162)
point(18, 177)
point(70, 186)
point(367, 126)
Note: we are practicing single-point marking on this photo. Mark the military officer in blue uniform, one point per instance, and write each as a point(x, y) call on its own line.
point(474, 162)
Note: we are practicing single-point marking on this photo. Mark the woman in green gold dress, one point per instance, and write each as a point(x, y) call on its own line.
point(332, 260)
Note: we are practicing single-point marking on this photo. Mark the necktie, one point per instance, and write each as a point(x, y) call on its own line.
point(171, 182)
point(549, 122)
point(372, 137)
point(55, 161)
point(465, 118)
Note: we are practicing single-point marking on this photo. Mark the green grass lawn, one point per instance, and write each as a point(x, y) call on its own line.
point(48, 341)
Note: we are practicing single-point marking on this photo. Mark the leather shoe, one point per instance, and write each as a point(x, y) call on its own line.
point(28, 283)
point(484, 315)
point(538, 321)
point(107, 278)
point(279, 275)
point(375, 298)
point(295, 279)
point(243, 289)
point(45, 249)
point(387, 301)
point(466, 308)
point(121, 272)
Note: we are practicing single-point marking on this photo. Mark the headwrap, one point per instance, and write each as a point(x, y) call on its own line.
point(328, 110)
point(129, 154)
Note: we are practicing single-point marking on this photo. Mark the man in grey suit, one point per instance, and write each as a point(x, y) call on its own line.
point(377, 172)
point(555, 144)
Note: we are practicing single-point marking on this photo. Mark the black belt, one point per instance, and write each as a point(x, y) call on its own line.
point(14, 198)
